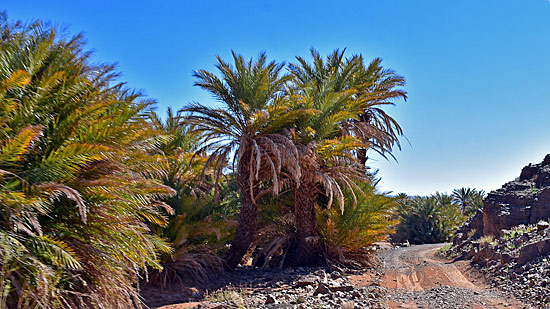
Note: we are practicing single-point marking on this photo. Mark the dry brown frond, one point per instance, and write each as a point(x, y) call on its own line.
point(188, 268)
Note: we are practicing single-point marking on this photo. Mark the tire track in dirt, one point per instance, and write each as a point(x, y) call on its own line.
point(416, 278)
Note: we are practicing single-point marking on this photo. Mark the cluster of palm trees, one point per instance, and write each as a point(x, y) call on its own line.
point(307, 131)
point(470, 200)
point(74, 203)
point(97, 191)
point(435, 218)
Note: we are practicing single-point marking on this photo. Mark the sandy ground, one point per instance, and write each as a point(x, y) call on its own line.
point(417, 278)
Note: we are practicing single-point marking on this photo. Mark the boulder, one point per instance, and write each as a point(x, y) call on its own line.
point(542, 225)
point(531, 251)
point(486, 254)
point(341, 288)
point(307, 281)
point(270, 300)
point(321, 289)
point(505, 258)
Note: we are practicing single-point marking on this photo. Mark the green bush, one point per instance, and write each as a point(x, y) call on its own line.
point(430, 219)
point(199, 226)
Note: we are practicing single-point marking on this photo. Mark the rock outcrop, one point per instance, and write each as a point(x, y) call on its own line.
point(517, 262)
point(473, 228)
point(510, 238)
point(525, 200)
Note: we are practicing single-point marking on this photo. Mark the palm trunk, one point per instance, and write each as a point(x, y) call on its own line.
point(244, 235)
point(310, 246)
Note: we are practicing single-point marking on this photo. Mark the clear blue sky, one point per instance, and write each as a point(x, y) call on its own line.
point(478, 71)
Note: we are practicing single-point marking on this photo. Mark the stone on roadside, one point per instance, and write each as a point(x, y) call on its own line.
point(341, 288)
point(270, 300)
point(321, 289)
point(348, 305)
point(542, 225)
point(305, 282)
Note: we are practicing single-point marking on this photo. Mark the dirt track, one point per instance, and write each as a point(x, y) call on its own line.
point(410, 277)
point(417, 278)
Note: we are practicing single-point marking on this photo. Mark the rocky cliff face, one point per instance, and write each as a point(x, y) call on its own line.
point(516, 249)
point(522, 201)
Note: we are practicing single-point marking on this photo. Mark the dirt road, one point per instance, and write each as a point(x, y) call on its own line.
point(411, 277)
point(416, 278)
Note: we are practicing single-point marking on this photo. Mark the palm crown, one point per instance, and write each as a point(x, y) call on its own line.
point(371, 87)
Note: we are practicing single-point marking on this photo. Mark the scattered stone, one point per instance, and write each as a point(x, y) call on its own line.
point(348, 305)
point(305, 281)
point(542, 225)
point(321, 289)
point(523, 263)
point(341, 288)
point(270, 300)
point(516, 215)
point(195, 293)
point(335, 275)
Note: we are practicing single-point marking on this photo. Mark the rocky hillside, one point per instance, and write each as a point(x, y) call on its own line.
point(517, 262)
point(525, 200)
point(510, 238)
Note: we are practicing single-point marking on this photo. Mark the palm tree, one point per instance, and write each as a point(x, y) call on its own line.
point(195, 221)
point(72, 199)
point(346, 97)
point(180, 164)
point(420, 220)
point(250, 124)
point(477, 204)
point(375, 85)
point(463, 197)
point(469, 200)
point(326, 158)
point(347, 235)
point(427, 219)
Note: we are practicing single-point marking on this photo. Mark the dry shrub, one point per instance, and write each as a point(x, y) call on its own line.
point(188, 268)
point(487, 241)
point(275, 242)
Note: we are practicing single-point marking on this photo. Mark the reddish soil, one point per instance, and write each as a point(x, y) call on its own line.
point(416, 278)
point(416, 269)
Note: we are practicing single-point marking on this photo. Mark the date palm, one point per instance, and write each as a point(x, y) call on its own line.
point(348, 235)
point(469, 200)
point(348, 96)
point(72, 199)
point(196, 221)
point(376, 85)
point(427, 219)
point(327, 161)
point(249, 125)
point(179, 161)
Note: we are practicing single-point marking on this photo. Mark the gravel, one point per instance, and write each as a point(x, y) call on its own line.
point(322, 288)
point(425, 281)
point(505, 268)
point(292, 288)
point(444, 297)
